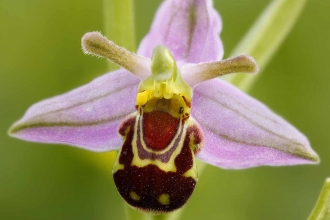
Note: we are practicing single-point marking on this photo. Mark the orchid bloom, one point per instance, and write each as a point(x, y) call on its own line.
point(168, 106)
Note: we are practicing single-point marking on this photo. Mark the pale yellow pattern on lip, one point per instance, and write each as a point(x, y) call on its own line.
point(167, 167)
point(134, 196)
point(117, 166)
point(170, 165)
point(192, 172)
point(164, 199)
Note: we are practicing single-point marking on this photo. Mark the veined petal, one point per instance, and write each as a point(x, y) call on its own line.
point(241, 132)
point(190, 29)
point(87, 117)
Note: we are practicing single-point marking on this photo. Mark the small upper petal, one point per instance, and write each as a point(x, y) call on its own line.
point(200, 72)
point(241, 132)
point(96, 44)
point(190, 29)
point(87, 117)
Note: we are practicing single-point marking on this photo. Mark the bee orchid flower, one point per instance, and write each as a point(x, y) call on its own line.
point(166, 106)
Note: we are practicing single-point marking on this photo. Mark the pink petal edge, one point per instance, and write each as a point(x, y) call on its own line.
point(87, 117)
point(241, 132)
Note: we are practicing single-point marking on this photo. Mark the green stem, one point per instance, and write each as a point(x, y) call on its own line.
point(119, 24)
point(170, 216)
point(266, 36)
point(161, 217)
point(119, 27)
point(132, 214)
point(322, 208)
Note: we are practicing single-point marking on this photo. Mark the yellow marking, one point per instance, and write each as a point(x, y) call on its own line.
point(164, 199)
point(171, 106)
point(117, 166)
point(191, 173)
point(192, 144)
point(142, 97)
point(166, 167)
point(134, 196)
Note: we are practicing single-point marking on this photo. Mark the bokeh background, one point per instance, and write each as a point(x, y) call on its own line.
point(40, 56)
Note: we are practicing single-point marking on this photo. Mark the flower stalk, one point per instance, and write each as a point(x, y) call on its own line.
point(266, 36)
point(119, 24)
point(322, 208)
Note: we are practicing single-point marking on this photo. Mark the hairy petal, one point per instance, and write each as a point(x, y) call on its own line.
point(241, 132)
point(87, 117)
point(195, 73)
point(96, 44)
point(190, 29)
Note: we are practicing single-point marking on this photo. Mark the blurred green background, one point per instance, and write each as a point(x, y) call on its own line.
point(40, 56)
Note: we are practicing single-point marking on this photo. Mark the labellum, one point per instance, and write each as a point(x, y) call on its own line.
point(156, 169)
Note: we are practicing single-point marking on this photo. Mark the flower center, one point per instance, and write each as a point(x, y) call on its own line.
point(164, 83)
